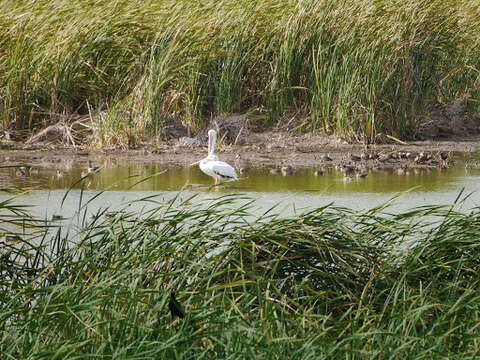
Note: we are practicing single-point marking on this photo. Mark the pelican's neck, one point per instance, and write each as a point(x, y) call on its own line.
point(210, 157)
point(211, 143)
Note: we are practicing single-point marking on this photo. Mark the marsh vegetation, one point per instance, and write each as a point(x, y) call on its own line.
point(328, 283)
point(122, 70)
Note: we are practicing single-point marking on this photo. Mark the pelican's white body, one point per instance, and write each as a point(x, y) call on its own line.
point(212, 166)
point(219, 170)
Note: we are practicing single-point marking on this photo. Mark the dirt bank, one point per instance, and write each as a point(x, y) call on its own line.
point(271, 149)
point(245, 142)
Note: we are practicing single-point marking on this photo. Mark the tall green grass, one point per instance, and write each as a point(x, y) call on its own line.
point(329, 283)
point(355, 68)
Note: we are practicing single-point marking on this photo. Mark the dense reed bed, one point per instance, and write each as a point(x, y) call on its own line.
point(327, 284)
point(355, 68)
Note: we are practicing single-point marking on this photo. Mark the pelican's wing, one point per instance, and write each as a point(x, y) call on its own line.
point(223, 170)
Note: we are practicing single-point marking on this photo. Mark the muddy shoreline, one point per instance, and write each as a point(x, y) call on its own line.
point(269, 149)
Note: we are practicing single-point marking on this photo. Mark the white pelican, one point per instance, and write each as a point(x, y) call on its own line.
point(213, 167)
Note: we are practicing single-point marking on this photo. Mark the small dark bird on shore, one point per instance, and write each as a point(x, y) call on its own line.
point(421, 158)
point(410, 156)
point(21, 171)
point(347, 169)
point(175, 308)
point(91, 168)
point(326, 157)
point(354, 157)
point(287, 170)
point(385, 158)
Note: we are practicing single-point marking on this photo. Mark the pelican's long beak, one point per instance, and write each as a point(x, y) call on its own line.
point(195, 163)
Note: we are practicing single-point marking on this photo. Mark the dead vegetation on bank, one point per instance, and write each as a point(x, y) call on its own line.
point(449, 123)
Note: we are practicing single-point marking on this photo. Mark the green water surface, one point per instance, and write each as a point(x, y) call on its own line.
point(158, 177)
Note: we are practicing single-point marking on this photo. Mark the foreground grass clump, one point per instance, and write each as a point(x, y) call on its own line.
point(330, 283)
point(355, 68)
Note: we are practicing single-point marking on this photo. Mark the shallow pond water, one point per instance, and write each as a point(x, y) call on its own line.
point(122, 184)
point(152, 176)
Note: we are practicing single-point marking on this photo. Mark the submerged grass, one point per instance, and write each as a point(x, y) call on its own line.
point(356, 68)
point(329, 283)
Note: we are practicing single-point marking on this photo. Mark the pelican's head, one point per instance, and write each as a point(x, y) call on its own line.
point(212, 133)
